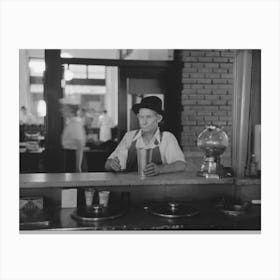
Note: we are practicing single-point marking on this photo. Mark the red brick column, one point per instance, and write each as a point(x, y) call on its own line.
point(207, 89)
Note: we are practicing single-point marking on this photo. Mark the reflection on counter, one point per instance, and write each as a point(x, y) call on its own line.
point(141, 217)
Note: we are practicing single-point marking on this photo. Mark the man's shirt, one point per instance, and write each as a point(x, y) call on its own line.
point(168, 146)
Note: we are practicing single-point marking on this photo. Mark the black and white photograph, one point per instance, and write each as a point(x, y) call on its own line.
point(140, 139)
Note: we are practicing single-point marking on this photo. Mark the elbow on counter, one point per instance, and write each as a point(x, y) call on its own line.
point(183, 166)
point(108, 165)
point(176, 166)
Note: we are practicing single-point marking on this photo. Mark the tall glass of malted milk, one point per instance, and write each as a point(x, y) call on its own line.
point(122, 156)
point(142, 161)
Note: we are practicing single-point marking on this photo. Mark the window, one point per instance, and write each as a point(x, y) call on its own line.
point(36, 89)
point(88, 83)
point(36, 67)
point(96, 72)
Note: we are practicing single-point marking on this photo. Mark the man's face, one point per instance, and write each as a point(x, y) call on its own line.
point(148, 119)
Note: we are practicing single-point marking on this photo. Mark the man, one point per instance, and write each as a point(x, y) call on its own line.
point(166, 153)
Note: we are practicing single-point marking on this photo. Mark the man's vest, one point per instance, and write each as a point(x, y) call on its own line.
point(131, 163)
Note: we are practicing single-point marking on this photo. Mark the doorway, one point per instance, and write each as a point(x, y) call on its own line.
point(161, 79)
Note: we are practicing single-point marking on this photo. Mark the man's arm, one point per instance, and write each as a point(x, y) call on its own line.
point(152, 169)
point(174, 159)
point(173, 167)
point(108, 164)
point(113, 164)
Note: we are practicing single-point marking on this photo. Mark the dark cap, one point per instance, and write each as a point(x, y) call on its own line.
point(151, 102)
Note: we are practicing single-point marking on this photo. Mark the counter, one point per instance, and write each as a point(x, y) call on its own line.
point(108, 179)
point(183, 186)
point(138, 218)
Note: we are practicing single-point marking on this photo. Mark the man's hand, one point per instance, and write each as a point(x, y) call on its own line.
point(151, 169)
point(115, 164)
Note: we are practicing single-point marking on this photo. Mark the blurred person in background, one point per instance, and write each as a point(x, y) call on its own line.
point(86, 118)
point(73, 136)
point(25, 117)
point(105, 124)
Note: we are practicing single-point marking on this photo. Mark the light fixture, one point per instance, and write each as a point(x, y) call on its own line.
point(41, 108)
point(68, 74)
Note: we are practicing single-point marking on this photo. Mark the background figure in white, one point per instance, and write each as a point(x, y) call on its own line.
point(73, 136)
point(105, 123)
point(25, 117)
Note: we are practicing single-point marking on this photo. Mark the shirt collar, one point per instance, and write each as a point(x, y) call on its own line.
point(156, 136)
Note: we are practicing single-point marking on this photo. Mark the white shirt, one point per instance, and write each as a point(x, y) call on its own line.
point(73, 132)
point(168, 146)
point(105, 123)
point(26, 118)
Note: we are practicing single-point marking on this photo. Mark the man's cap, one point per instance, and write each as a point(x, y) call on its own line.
point(151, 102)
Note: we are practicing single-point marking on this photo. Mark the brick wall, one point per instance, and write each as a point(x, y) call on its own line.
point(207, 89)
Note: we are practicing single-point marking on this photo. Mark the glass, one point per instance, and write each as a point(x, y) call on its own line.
point(122, 156)
point(104, 198)
point(213, 141)
point(89, 194)
point(144, 156)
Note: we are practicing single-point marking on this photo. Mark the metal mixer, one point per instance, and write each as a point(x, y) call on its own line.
point(212, 141)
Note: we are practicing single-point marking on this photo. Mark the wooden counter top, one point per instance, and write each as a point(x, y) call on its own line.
point(68, 180)
point(247, 181)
